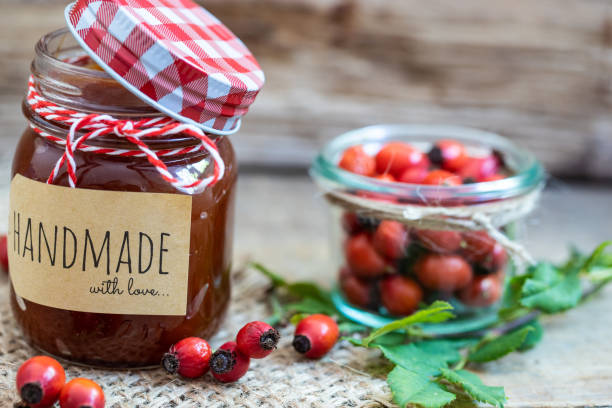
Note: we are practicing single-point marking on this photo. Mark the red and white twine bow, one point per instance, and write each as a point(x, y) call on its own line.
point(134, 131)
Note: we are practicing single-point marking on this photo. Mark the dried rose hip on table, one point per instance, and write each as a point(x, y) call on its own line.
point(482, 291)
point(400, 295)
point(189, 357)
point(228, 364)
point(396, 157)
point(439, 240)
point(40, 381)
point(362, 258)
point(356, 160)
point(390, 239)
point(315, 335)
point(80, 393)
point(443, 272)
point(257, 339)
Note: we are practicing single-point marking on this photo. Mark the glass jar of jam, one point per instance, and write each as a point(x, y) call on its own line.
point(423, 213)
point(109, 338)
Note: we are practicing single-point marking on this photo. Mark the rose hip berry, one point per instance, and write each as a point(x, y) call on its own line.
point(189, 357)
point(496, 259)
point(362, 258)
point(82, 393)
point(479, 168)
point(357, 291)
point(442, 178)
point(390, 239)
point(228, 364)
point(4, 254)
point(443, 272)
point(448, 154)
point(395, 157)
point(40, 381)
point(439, 240)
point(400, 295)
point(477, 244)
point(257, 339)
point(415, 175)
point(315, 335)
point(356, 160)
point(482, 291)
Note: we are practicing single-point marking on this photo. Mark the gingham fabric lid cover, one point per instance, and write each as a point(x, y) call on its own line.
point(174, 55)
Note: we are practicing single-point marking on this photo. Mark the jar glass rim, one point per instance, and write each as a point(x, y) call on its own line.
point(528, 173)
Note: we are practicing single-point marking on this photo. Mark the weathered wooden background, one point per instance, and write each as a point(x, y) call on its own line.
point(536, 71)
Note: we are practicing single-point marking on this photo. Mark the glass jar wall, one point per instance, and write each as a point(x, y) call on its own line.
point(397, 246)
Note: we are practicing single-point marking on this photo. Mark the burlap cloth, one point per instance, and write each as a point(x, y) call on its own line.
point(282, 380)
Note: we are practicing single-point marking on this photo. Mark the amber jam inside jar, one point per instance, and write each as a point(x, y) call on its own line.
point(121, 340)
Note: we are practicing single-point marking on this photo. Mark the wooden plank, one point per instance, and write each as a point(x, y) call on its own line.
point(537, 72)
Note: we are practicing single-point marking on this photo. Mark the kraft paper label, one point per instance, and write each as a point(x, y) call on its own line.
point(99, 251)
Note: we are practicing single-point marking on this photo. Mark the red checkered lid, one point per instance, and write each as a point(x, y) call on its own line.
point(174, 55)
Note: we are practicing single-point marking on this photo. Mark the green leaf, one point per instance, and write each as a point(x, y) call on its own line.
point(277, 311)
point(310, 305)
point(350, 327)
point(549, 290)
point(413, 359)
point(390, 339)
point(447, 349)
point(475, 388)
point(411, 388)
point(533, 337)
point(596, 255)
point(276, 279)
point(308, 289)
point(437, 312)
point(298, 317)
point(499, 347)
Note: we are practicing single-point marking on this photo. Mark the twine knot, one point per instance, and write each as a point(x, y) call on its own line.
point(134, 131)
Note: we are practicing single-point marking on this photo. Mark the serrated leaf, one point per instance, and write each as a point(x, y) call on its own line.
point(350, 327)
point(415, 360)
point(277, 312)
point(499, 347)
point(437, 312)
point(297, 318)
point(447, 349)
point(533, 337)
point(594, 258)
point(549, 290)
point(473, 385)
point(410, 388)
point(310, 305)
point(390, 339)
point(276, 279)
point(308, 289)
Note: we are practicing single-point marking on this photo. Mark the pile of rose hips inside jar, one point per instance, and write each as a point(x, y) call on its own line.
point(392, 266)
point(41, 380)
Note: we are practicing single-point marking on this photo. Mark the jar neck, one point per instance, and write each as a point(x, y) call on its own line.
point(64, 75)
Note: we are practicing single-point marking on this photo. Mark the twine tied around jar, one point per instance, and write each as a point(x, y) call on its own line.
point(134, 131)
point(488, 216)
